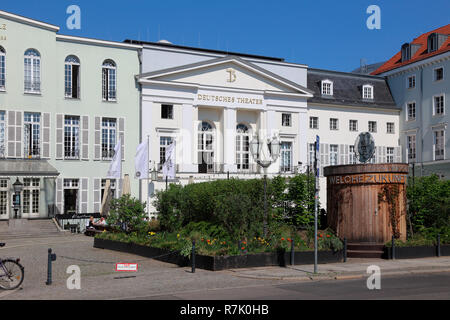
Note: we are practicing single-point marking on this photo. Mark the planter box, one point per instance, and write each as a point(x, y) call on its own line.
point(220, 262)
point(416, 252)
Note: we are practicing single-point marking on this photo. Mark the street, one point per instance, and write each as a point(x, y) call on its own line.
point(162, 281)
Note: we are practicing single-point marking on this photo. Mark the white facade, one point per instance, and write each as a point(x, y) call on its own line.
point(212, 109)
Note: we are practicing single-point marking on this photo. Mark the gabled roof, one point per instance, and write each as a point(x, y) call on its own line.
point(347, 89)
point(421, 54)
point(29, 21)
point(234, 59)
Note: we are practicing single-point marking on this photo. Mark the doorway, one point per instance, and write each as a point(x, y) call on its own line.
point(71, 189)
point(4, 197)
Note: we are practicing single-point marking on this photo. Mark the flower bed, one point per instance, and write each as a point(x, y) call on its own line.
point(216, 263)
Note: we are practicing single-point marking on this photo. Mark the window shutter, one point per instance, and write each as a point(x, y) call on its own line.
point(59, 196)
point(46, 136)
point(122, 136)
point(84, 195)
point(97, 142)
point(384, 154)
point(327, 154)
point(322, 158)
point(346, 155)
point(19, 130)
point(97, 194)
point(59, 136)
point(341, 155)
point(120, 186)
point(11, 134)
point(85, 137)
point(398, 154)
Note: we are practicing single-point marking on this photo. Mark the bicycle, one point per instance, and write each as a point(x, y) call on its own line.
point(11, 273)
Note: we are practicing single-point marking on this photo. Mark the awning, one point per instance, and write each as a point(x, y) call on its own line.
point(28, 168)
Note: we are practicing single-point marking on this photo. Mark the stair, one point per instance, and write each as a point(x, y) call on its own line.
point(365, 250)
point(22, 229)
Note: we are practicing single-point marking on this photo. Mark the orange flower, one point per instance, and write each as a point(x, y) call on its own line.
point(289, 239)
point(328, 236)
point(243, 248)
point(244, 242)
point(282, 239)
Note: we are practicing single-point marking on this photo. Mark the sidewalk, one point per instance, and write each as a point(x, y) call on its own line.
point(352, 269)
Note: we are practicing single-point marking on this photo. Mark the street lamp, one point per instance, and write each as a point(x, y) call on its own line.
point(265, 153)
point(18, 187)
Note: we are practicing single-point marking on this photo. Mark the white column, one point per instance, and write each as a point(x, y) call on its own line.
point(229, 140)
point(187, 138)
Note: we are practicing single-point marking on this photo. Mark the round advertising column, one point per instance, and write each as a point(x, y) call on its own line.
point(367, 202)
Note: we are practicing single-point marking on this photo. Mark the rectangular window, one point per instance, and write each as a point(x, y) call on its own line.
point(2, 70)
point(31, 192)
point(286, 157)
point(327, 88)
point(286, 119)
point(438, 74)
point(390, 127)
point(71, 73)
point(112, 188)
point(333, 154)
point(166, 111)
point(4, 191)
point(372, 126)
point(439, 145)
point(411, 111)
point(334, 124)
point(71, 137)
point(313, 123)
point(439, 105)
point(2, 134)
point(367, 92)
point(411, 144)
point(390, 155)
point(109, 82)
point(411, 83)
point(351, 155)
point(109, 134)
point(353, 125)
point(32, 135)
point(164, 142)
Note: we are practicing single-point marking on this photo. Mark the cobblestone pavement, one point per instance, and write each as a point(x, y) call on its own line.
point(99, 280)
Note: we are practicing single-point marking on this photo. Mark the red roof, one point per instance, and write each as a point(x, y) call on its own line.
point(421, 54)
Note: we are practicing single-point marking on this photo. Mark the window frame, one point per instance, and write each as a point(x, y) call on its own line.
point(108, 66)
point(411, 142)
point(413, 76)
point(323, 85)
point(289, 117)
point(390, 155)
point(170, 114)
point(442, 95)
point(2, 69)
point(334, 155)
point(35, 67)
point(434, 74)
point(337, 124)
point(393, 128)
point(372, 130)
point(36, 135)
point(290, 158)
point(442, 138)
point(310, 122)
point(350, 125)
point(68, 64)
point(368, 86)
point(408, 118)
point(109, 145)
point(74, 142)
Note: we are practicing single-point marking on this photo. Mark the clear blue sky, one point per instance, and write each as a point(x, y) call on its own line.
point(325, 34)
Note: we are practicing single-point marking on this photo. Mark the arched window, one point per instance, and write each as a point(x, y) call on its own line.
point(2, 69)
point(72, 77)
point(109, 80)
point(32, 67)
point(205, 147)
point(242, 147)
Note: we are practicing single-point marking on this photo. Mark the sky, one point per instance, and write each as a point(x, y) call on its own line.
point(325, 34)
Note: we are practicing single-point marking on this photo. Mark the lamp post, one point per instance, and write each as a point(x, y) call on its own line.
point(265, 153)
point(18, 187)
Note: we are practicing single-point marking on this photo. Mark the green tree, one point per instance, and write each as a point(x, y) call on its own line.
point(127, 213)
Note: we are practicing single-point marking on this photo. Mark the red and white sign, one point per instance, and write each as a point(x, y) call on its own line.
point(127, 267)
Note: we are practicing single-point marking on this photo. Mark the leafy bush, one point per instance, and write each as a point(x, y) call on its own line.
point(128, 214)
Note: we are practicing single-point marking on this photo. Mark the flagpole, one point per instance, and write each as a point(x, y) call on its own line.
point(148, 177)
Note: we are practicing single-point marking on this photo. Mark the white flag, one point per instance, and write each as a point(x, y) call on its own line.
point(169, 165)
point(141, 161)
point(115, 169)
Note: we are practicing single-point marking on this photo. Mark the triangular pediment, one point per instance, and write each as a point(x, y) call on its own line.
point(229, 72)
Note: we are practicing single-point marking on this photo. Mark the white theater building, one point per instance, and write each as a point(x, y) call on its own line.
point(212, 104)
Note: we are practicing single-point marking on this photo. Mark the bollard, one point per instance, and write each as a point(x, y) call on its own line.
point(438, 245)
point(193, 256)
point(51, 257)
point(292, 252)
point(345, 249)
point(393, 248)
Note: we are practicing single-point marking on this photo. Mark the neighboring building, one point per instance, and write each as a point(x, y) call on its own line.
point(368, 68)
point(212, 103)
point(64, 102)
point(343, 106)
point(419, 79)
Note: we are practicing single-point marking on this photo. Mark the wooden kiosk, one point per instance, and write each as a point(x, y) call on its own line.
point(366, 203)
